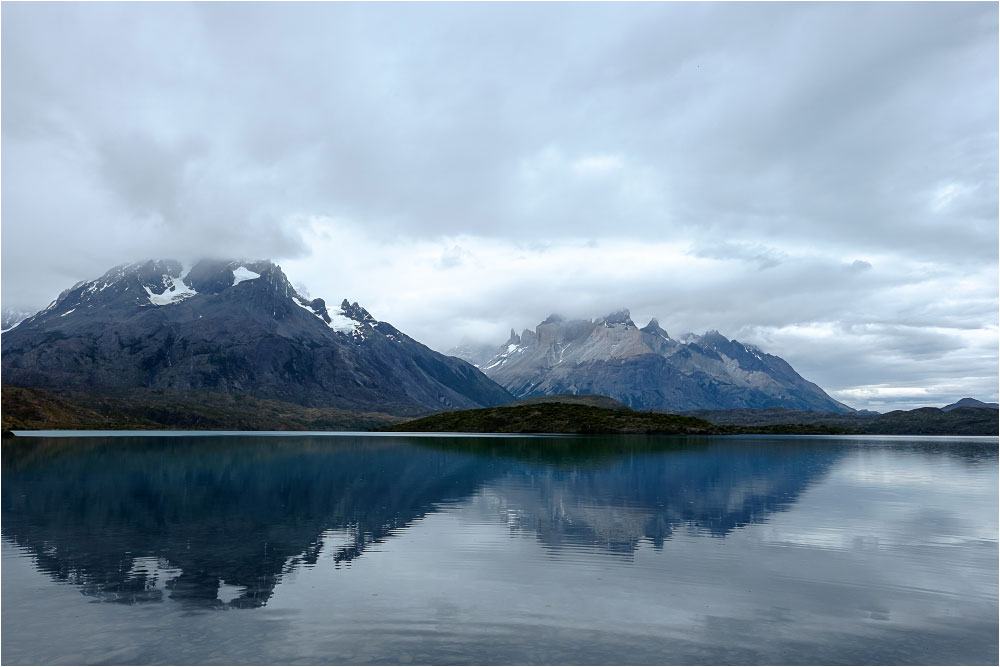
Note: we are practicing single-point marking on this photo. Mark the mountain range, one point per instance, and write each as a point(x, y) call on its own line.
point(645, 368)
point(159, 332)
point(235, 327)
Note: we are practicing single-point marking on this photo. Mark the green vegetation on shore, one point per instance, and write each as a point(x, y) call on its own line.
point(921, 421)
point(26, 408)
point(584, 419)
point(595, 400)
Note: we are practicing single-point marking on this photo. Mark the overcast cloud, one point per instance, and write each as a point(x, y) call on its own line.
point(818, 179)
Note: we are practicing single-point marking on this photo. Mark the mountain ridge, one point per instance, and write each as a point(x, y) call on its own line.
point(647, 369)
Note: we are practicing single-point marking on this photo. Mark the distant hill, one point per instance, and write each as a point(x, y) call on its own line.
point(922, 421)
point(971, 403)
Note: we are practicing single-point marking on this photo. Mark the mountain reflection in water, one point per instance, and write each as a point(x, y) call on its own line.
point(216, 522)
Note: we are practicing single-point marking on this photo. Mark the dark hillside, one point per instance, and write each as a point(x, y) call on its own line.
point(158, 409)
point(922, 421)
point(583, 419)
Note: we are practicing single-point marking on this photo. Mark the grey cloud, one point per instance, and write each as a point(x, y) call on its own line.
point(938, 365)
point(865, 130)
point(808, 122)
point(762, 256)
point(148, 177)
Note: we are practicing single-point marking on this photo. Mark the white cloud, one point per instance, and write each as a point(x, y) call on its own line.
point(945, 194)
point(856, 339)
point(597, 164)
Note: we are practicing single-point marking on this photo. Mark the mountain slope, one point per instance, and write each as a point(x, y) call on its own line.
point(235, 327)
point(646, 369)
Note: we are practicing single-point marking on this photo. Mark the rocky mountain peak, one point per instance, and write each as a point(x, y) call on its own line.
point(713, 339)
point(355, 312)
point(233, 326)
point(646, 369)
point(213, 276)
point(166, 282)
point(654, 329)
point(621, 316)
point(258, 285)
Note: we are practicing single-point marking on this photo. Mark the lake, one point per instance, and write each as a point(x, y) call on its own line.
point(396, 549)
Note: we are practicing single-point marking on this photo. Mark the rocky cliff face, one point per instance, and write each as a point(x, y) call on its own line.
point(646, 369)
point(234, 327)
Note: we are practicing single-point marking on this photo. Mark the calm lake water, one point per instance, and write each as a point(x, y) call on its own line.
point(349, 549)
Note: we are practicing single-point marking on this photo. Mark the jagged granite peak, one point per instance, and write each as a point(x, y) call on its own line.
point(646, 369)
point(621, 316)
point(712, 339)
point(356, 312)
point(654, 329)
point(236, 326)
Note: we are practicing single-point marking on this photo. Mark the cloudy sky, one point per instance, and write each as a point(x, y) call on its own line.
point(818, 179)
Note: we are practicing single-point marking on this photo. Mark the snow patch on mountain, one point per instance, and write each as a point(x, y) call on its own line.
point(340, 322)
point(304, 305)
point(176, 291)
point(242, 273)
point(512, 349)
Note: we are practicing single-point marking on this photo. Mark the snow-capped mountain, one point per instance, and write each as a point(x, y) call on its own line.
point(646, 368)
point(236, 326)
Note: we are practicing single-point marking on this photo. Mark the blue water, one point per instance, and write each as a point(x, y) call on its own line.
point(389, 549)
